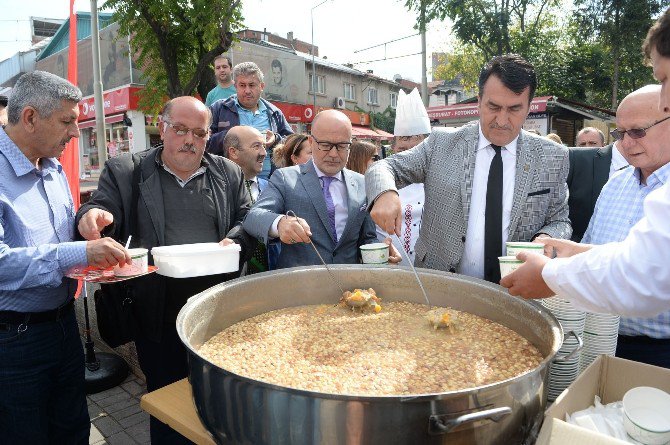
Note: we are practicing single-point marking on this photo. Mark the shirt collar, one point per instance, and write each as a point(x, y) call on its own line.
point(321, 174)
point(659, 176)
point(483, 142)
point(618, 161)
point(20, 163)
point(198, 172)
point(261, 106)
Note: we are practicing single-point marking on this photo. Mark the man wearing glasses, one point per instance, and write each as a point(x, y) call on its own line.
point(175, 194)
point(642, 133)
point(327, 199)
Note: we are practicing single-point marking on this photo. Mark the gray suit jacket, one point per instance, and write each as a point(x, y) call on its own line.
point(589, 171)
point(445, 163)
point(298, 188)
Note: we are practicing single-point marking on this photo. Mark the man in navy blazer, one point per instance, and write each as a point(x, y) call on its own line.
point(328, 200)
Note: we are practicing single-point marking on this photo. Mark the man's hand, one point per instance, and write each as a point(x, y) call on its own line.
point(106, 253)
point(527, 280)
point(294, 230)
point(226, 242)
point(269, 138)
point(394, 255)
point(387, 212)
point(564, 248)
point(93, 222)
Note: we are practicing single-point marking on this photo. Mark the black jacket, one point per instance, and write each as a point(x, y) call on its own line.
point(114, 194)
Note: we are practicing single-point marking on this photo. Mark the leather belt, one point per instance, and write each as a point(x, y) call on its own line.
point(13, 317)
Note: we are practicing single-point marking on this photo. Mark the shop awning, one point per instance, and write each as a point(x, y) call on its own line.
point(108, 120)
point(361, 132)
point(384, 134)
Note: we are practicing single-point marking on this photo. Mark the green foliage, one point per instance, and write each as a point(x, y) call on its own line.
point(384, 120)
point(465, 62)
point(176, 41)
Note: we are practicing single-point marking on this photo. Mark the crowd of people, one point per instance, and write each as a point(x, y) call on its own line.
point(232, 171)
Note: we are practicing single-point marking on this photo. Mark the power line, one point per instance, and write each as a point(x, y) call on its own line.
point(386, 58)
point(384, 44)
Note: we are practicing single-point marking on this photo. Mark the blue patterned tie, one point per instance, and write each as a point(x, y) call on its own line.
point(330, 205)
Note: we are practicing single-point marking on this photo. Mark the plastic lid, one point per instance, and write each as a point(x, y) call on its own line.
point(194, 249)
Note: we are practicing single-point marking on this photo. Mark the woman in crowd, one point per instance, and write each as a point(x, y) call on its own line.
point(294, 151)
point(361, 156)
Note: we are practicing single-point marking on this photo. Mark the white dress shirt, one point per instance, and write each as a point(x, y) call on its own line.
point(412, 198)
point(338, 190)
point(253, 188)
point(630, 278)
point(618, 161)
point(472, 262)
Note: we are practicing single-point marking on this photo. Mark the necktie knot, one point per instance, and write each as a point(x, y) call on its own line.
point(497, 148)
point(327, 180)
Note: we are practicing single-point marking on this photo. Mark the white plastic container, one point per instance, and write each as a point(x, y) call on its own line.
point(138, 266)
point(195, 260)
point(375, 253)
point(508, 264)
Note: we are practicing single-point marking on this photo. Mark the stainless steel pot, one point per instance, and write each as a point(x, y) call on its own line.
point(237, 409)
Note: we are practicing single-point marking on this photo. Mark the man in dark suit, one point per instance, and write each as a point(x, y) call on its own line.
point(328, 199)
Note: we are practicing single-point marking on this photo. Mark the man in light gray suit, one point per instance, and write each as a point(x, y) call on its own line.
point(486, 183)
point(328, 199)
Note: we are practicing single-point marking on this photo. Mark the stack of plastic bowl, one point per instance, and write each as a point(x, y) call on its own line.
point(564, 372)
point(600, 337)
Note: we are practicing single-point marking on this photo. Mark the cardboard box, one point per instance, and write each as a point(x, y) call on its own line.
point(607, 377)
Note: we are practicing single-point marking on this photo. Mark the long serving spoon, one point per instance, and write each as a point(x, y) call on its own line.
point(332, 277)
point(425, 295)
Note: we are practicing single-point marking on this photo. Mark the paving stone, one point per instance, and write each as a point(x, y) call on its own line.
point(121, 438)
point(112, 400)
point(105, 394)
point(94, 410)
point(107, 425)
point(140, 432)
point(95, 436)
point(121, 405)
point(134, 388)
point(130, 410)
point(134, 419)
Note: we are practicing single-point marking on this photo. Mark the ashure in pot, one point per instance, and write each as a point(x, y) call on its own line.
point(237, 409)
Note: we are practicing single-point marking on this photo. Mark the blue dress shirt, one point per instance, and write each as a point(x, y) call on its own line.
point(618, 209)
point(36, 233)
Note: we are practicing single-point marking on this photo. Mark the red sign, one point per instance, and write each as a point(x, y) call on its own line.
point(296, 112)
point(114, 101)
point(538, 105)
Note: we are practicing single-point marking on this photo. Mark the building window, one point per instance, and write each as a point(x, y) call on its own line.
point(394, 99)
point(350, 91)
point(320, 84)
point(372, 96)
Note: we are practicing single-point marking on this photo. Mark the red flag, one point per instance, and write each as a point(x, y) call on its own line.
point(69, 159)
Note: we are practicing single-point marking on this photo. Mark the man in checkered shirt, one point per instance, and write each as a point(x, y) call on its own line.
point(642, 132)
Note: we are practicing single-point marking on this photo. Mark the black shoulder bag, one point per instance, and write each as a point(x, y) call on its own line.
point(114, 302)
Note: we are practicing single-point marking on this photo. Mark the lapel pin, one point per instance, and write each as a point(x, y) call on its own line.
point(526, 167)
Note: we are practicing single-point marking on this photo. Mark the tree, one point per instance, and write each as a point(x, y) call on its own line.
point(176, 42)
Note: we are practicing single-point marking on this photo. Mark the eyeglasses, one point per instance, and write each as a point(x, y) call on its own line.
point(634, 133)
point(181, 130)
point(409, 138)
point(327, 146)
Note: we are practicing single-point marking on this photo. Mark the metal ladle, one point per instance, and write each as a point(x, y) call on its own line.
point(423, 291)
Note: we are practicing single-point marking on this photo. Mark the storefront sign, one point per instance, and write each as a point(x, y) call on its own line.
point(454, 112)
point(295, 112)
point(115, 101)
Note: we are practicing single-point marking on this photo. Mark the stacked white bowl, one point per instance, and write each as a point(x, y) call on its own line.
point(563, 373)
point(600, 337)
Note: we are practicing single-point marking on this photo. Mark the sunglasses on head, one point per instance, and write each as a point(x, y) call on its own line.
point(634, 133)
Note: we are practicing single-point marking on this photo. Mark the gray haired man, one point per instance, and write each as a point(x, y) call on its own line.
point(248, 108)
point(41, 358)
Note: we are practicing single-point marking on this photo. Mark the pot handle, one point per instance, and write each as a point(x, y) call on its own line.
point(439, 424)
point(580, 345)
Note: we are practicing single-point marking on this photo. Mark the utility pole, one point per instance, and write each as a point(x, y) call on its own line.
point(424, 76)
point(101, 139)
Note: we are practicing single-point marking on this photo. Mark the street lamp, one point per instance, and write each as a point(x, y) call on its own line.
point(311, 13)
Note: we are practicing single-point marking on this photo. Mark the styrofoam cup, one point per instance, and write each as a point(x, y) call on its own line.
point(514, 247)
point(375, 253)
point(508, 264)
point(138, 266)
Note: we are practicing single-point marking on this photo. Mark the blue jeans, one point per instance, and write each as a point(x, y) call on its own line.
point(42, 387)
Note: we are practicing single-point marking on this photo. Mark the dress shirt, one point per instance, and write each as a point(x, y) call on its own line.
point(412, 198)
point(618, 209)
point(631, 277)
point(618, 161)
point(472, 262)
point(36, 232)
point(181, 182)
point(338, 190)
point(253, 188)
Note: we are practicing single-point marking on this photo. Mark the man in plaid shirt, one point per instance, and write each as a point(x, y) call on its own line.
point(643, 133)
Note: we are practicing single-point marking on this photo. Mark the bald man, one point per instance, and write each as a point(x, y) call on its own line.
point(177, 194)
point(328, 199)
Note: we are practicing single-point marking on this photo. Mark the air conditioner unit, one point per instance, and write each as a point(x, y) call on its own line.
point(340, 103)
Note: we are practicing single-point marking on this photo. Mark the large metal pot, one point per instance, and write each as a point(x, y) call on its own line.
point(237, 409)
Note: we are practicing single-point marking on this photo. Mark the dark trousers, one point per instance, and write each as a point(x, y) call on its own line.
point(644, 349)
point(42, 388)
point(163, 363)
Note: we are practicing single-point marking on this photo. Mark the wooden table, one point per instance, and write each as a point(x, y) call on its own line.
point(173, 405)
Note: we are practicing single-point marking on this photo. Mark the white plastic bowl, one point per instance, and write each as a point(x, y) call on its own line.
point(647, 415)
point(195, 260)
point(514, 247)
point(508, 264)
point(375, 253)
point(138, 266)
